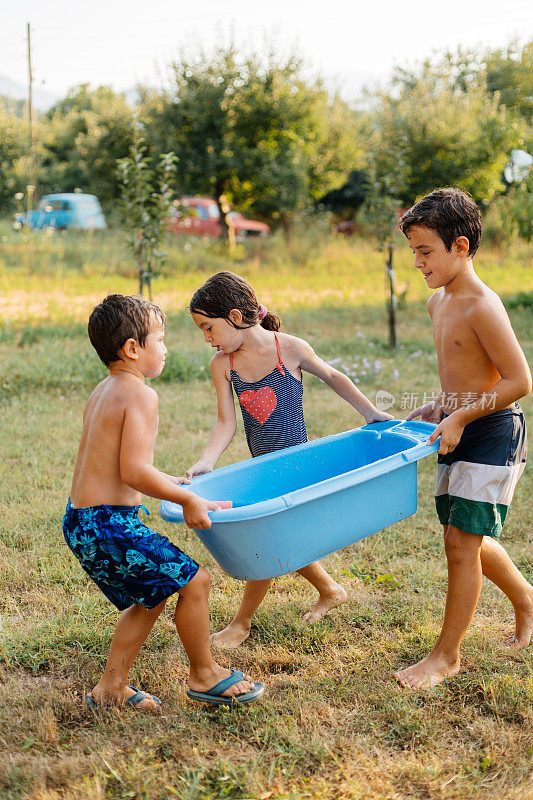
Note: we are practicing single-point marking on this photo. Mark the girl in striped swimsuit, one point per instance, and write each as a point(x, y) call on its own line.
point(264, 368)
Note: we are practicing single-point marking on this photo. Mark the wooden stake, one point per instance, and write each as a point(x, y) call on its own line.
point(392, 299)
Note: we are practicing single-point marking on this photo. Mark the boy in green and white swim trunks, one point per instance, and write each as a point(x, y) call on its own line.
point(483, 445)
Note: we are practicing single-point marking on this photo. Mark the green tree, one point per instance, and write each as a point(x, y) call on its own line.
point(443, 136)
point(509, 72)
point(511, 214)
point(381, 209)
point(347, 199)
point(146, 197)
point(80, 140)
point(505, 73)
point(14, 143)
point(253, 130)
point(490, 95)
point(521, 208)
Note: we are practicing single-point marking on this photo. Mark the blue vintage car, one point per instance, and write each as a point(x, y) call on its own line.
point(65, 210)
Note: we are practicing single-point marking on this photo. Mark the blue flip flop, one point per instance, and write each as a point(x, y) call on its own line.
point(132, 701)
point(215, 697)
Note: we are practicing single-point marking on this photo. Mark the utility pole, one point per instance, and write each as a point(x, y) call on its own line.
point(31, 119)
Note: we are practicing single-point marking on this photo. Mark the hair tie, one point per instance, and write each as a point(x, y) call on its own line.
point(263, 311)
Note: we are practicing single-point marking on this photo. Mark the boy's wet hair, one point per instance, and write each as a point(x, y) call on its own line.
point(225, 291)
point(450, 213)
point(119, 318)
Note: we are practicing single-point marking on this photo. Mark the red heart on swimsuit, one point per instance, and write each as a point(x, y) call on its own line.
point(260, 404)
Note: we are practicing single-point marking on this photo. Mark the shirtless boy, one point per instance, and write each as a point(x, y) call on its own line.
point(136, 568)
point(483, 446)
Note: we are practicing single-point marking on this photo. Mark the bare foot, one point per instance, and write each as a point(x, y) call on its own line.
point(108, 697)
point(219, 674)
point(523, 627)
point(231, 637)
point(432, 670)
point(325, 603)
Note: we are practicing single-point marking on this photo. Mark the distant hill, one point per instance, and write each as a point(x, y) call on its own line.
point(42, 98)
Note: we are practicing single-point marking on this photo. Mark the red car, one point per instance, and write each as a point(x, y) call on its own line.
point(199, 216)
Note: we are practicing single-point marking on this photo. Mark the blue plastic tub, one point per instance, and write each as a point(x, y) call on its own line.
point(297, 505)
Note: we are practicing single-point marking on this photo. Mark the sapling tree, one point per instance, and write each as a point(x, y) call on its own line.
point(382, 207)
point(146, 199)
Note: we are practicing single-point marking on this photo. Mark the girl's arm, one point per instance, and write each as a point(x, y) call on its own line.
point(340, 383)
point(226, 424)
point(430, 412)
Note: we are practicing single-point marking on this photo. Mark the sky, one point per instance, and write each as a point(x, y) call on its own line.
point(120, 43)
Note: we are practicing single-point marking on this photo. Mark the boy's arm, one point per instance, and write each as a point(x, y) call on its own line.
point(340, 383)
point(226, 424)
point(136, 453)
point(493, 328)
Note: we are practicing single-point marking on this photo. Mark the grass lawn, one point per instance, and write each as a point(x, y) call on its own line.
point(333, 723)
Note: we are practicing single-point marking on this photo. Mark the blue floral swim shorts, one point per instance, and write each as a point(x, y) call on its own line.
point(129, 562)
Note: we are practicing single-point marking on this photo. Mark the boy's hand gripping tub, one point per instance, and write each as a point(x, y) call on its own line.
point(296, 505)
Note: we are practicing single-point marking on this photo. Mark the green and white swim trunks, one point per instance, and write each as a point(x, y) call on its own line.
point(476, 481)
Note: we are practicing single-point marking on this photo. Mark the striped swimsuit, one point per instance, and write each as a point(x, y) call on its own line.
point(272, 409)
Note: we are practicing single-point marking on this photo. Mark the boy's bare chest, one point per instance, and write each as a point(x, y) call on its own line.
point(454, 337)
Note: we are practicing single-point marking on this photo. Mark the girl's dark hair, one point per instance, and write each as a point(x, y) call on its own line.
point(225, 291)
point(119, 318)
point(450, 213)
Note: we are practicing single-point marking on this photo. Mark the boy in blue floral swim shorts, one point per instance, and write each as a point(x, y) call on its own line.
point(136, 568)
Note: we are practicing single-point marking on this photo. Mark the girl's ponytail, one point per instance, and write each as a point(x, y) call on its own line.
point(271, 322)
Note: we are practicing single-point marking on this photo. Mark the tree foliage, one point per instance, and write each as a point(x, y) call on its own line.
point(254, 130)
point(146, 195)
point(81, 139)
point(13, 107)
point(442, 135)
point(348, 198)
point(14, 142)
point(504, 74)
point(509, 73)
